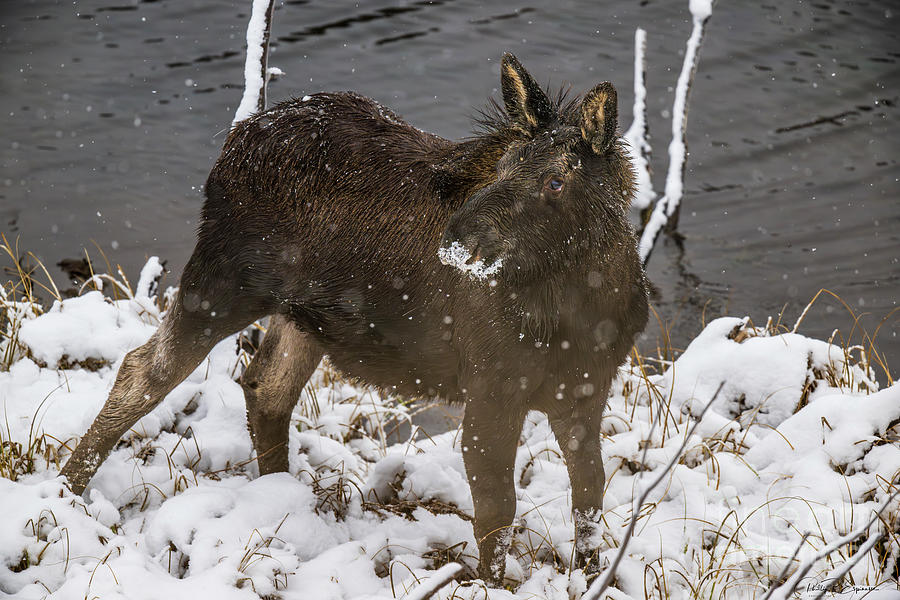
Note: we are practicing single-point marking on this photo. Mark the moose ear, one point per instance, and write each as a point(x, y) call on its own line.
point(599, 117)
point(526, 103)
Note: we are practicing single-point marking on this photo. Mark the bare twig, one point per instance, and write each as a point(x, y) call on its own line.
point(785, 590)
point(787, 565)
point(600, 585)
point(665, 214)
point(256, 69)
point(838, 573)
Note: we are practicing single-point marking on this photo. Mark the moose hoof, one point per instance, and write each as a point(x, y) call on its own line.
point(74, 481)
point(493, 572)
point(80, 468)
point(589, 563)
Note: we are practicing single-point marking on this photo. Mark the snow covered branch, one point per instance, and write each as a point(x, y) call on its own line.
point(256, 71)
point(665, 213)
point(600, 585)
point(838, 573)
point(785, 590)
point(638, 132)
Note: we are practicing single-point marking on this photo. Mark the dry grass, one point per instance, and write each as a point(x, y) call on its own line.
point(712, 577)
point(21, 458)
point(19, 299)
point(29, 288)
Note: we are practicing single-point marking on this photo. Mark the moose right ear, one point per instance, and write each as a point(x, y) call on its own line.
point(526, 103)
point(599, 117)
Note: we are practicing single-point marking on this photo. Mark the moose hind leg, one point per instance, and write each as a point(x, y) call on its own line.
point(578, 433)
point(272, 385)
point(147, 375)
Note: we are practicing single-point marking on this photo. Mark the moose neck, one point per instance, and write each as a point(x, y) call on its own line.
point(587, 283)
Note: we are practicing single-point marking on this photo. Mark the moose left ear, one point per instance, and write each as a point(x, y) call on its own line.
point(599, 117)
point(527, 106)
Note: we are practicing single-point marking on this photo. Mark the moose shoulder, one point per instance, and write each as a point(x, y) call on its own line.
point(500, 271)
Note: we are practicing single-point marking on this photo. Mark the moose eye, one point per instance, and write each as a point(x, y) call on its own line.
point(555, 185)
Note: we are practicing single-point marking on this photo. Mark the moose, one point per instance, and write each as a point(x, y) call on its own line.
point(500, 272)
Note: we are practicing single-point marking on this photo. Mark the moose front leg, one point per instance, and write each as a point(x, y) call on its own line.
point(577, 431)
point(490, 437)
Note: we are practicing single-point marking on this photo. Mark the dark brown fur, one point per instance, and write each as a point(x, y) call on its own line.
point(328, 213)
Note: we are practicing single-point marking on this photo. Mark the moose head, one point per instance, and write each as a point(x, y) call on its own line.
point(562, 181)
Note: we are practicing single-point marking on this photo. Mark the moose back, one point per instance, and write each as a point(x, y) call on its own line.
point(499, 271)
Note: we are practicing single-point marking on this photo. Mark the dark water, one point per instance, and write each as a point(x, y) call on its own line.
point(113, 111)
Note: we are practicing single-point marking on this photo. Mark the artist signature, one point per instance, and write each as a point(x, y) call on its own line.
point(836, 587)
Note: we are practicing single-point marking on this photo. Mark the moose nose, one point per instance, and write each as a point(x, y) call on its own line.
point(464, 239)
point(457, 231)
point(471, 236)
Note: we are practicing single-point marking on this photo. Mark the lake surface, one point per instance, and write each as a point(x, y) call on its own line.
point(112, 113)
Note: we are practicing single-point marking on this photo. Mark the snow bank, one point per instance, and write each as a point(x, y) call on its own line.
point(798, 441)
point(88, 326)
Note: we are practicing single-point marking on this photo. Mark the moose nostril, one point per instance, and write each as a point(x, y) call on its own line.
point(475, 254)
point(449, 238)
point(453, 233)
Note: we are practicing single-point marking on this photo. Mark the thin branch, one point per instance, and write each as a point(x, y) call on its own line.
point(665, 214)
point(638, 133)
point(599, 586)
point(787, 565)
point(838, 573)
point(256, 71)
point(785, 590)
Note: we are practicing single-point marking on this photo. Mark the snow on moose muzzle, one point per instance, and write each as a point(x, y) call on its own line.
point(475, 253)
point(472, 242)
point(468, 261)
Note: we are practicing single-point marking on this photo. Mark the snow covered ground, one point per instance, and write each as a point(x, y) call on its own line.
point(799, 441)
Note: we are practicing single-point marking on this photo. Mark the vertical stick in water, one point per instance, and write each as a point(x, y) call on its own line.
point(637, 134)
point(666, 211)
point(256, 66)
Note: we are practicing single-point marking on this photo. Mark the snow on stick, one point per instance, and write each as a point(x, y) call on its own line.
point(838, 574)
point(666, 211)
point(784, 591)
point(256, 73)
point(637, 134)
point(149, 278)
point(599, 586)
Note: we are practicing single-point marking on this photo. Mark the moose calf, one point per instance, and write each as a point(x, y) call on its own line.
point(499, 271)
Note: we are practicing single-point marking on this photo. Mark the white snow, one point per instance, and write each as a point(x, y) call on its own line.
point(636, 136)
point(458, 256)
point(701, 9)
point(149, 275)
point(89, 326)
point(798, 441)
point(434, 582)
point(253, 76)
